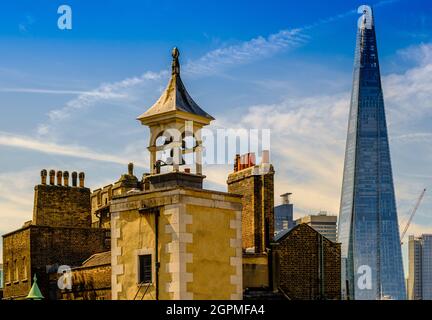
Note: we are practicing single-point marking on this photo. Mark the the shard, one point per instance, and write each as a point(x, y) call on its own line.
point(368, 228)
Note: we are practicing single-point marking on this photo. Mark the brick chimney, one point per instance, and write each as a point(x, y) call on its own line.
point(256, 184)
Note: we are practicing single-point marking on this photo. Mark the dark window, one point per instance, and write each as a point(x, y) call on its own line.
point(145, 269)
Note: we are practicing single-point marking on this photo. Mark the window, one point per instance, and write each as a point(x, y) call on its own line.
point(16, 275)
point(145, 268)
point(7, 273)
point(24, 268)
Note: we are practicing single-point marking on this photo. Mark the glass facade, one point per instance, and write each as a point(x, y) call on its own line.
point(368, 227)
point(283, 217)
point(426, 267)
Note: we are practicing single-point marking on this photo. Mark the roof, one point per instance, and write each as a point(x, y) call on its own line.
point(35, 293)
point(283, 234)
point(175, 96)
point(98, 259)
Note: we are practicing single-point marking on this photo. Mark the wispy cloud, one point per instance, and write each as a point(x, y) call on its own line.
point(410, 137)
point(61, 92)
point(308, 137)
point(105, 92)
point(25, 25)
point(29, 143)
point(245, 52)
point(212, 62)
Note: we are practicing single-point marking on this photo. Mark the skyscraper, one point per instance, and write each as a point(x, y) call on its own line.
point(283, 214)
point(420, 267)
point(368, 226)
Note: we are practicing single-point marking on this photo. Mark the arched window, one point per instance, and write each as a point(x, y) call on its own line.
point(7, 273)
point(24, 262)
point(16, 274)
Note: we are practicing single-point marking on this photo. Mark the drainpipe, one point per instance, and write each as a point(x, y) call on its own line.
point(269, 255)
point(157, 266)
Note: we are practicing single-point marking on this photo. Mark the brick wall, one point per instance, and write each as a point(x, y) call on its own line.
point(50, 247)
point(258, 205)
point(64, 246)
point(88, 283)
point(16, 252)
point(61, 206)
point(299, 263)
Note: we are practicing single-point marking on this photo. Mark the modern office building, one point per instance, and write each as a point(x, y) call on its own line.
point(420, 267)
point(323, 223)
point(283, 214)
point(368, 227)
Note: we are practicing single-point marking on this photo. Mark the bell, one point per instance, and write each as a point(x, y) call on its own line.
point(168, 141)
point(182, 162)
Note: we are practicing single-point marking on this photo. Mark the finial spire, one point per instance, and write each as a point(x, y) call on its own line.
point(35, 293)
point(175, 64)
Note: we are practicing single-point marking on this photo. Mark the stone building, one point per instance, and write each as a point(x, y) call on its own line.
point(308, 265)
point(101, 198)
point(171, 239)
point(59, 234)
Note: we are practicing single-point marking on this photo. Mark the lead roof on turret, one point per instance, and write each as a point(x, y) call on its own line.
point(175, 96)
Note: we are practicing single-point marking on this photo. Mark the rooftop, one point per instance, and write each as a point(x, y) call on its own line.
point(175, 96)
point(98, 259)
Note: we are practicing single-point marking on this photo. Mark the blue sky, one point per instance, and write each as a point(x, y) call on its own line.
point(69, 98)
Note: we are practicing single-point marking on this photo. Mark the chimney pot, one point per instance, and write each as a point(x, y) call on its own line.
point(131, 169)
point(81, 179)
point(252, 159)
point(51, 177)
point(265, 157)
point(59, 178)
point(66, 178)
point(242, 162)
point(74, 179)
point(44, 175)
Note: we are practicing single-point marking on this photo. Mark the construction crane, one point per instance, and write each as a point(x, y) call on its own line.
point(413, 212)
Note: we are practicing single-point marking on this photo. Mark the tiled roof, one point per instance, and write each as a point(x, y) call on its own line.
point(98, 259)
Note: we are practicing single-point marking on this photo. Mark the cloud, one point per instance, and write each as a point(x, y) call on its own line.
point(106, 91)
point(61, 92)
point(245, 52)
point(25, 25)
point(210, 63)
point(29, 143)
point(309, 133)
point(422, 53)
point(16, 199)
point(261, 47)
point(411, 137)
point(307, 146)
